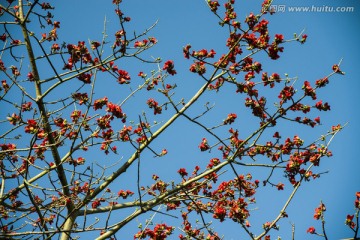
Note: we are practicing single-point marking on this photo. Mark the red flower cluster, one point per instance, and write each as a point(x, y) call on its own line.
point(85, 77)
point(309, 91)
point(213, 5)
point(155, 105)
point(160, 232)
point(13, 119)
point(230, 118)
point(124, 194)
point(123, 77)
point(32, 126)
point(81, 97)
point(115, 110)
point(124, 133)
point(198, 67)
point(322, 107)
point(350, 218)
point(203, 54)
point(319, 211)
point(99, 103)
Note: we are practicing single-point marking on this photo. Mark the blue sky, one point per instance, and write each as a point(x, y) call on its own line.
point(331, 37)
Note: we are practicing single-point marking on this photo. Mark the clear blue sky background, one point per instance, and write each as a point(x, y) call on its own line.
point(331, 37)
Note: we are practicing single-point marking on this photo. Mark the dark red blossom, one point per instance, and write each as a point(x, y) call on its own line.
point(322, 82)
point(5, 85)
point(81, 97)
point(13, 119)
point(99, 103)
point(124, 133)
point(85, 77)
point(26, 107)
point(349, 221)
point(186, 51)
point(309, 91)
point(311, 230)
point(32, 126)
point(322, 107)
point(280, 186)
point(204, 145)
point(182, 172)
point(123, 77)
point(95, 45)
point(141, 44)
point(154, 105)
point(303, 38)
point(213, 5)
point(219, 213)
point(274, 50)
point(319, 211)
point(169, 67)
point(124, 194)
point(279, 38)
point(230, 118)
point(336, 69)
point(160, 232)
point(198, 67)
point(115, 110)
point(3, 37)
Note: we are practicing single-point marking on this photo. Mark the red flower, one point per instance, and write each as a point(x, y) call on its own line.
point(155, 105)
point(32, 126)
point(124, 77)
point(349, 221)
point(280, 186)
point(230, 118)
point(85, 77)
point(182, 172)
point(26, 107)
point(124, 194)
point(96, 203)
point(15, 42)
point(279, 38)
point(219, 213)
point(198, 67)
point(276, 135)
point(169, 67)
point(186, 51)
point(311, 230)
point(303, 39)
point(5, 85)
point(317, 120)
point(115, 110)
point(163, 152)
point(140, 44)
point(336, 69)
point(204, 145)
point(95, 45)
point(99, 103)
point(319, 211)
point(213, 5)
point(3, 37)
point(309, 91)
point(13, 119)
